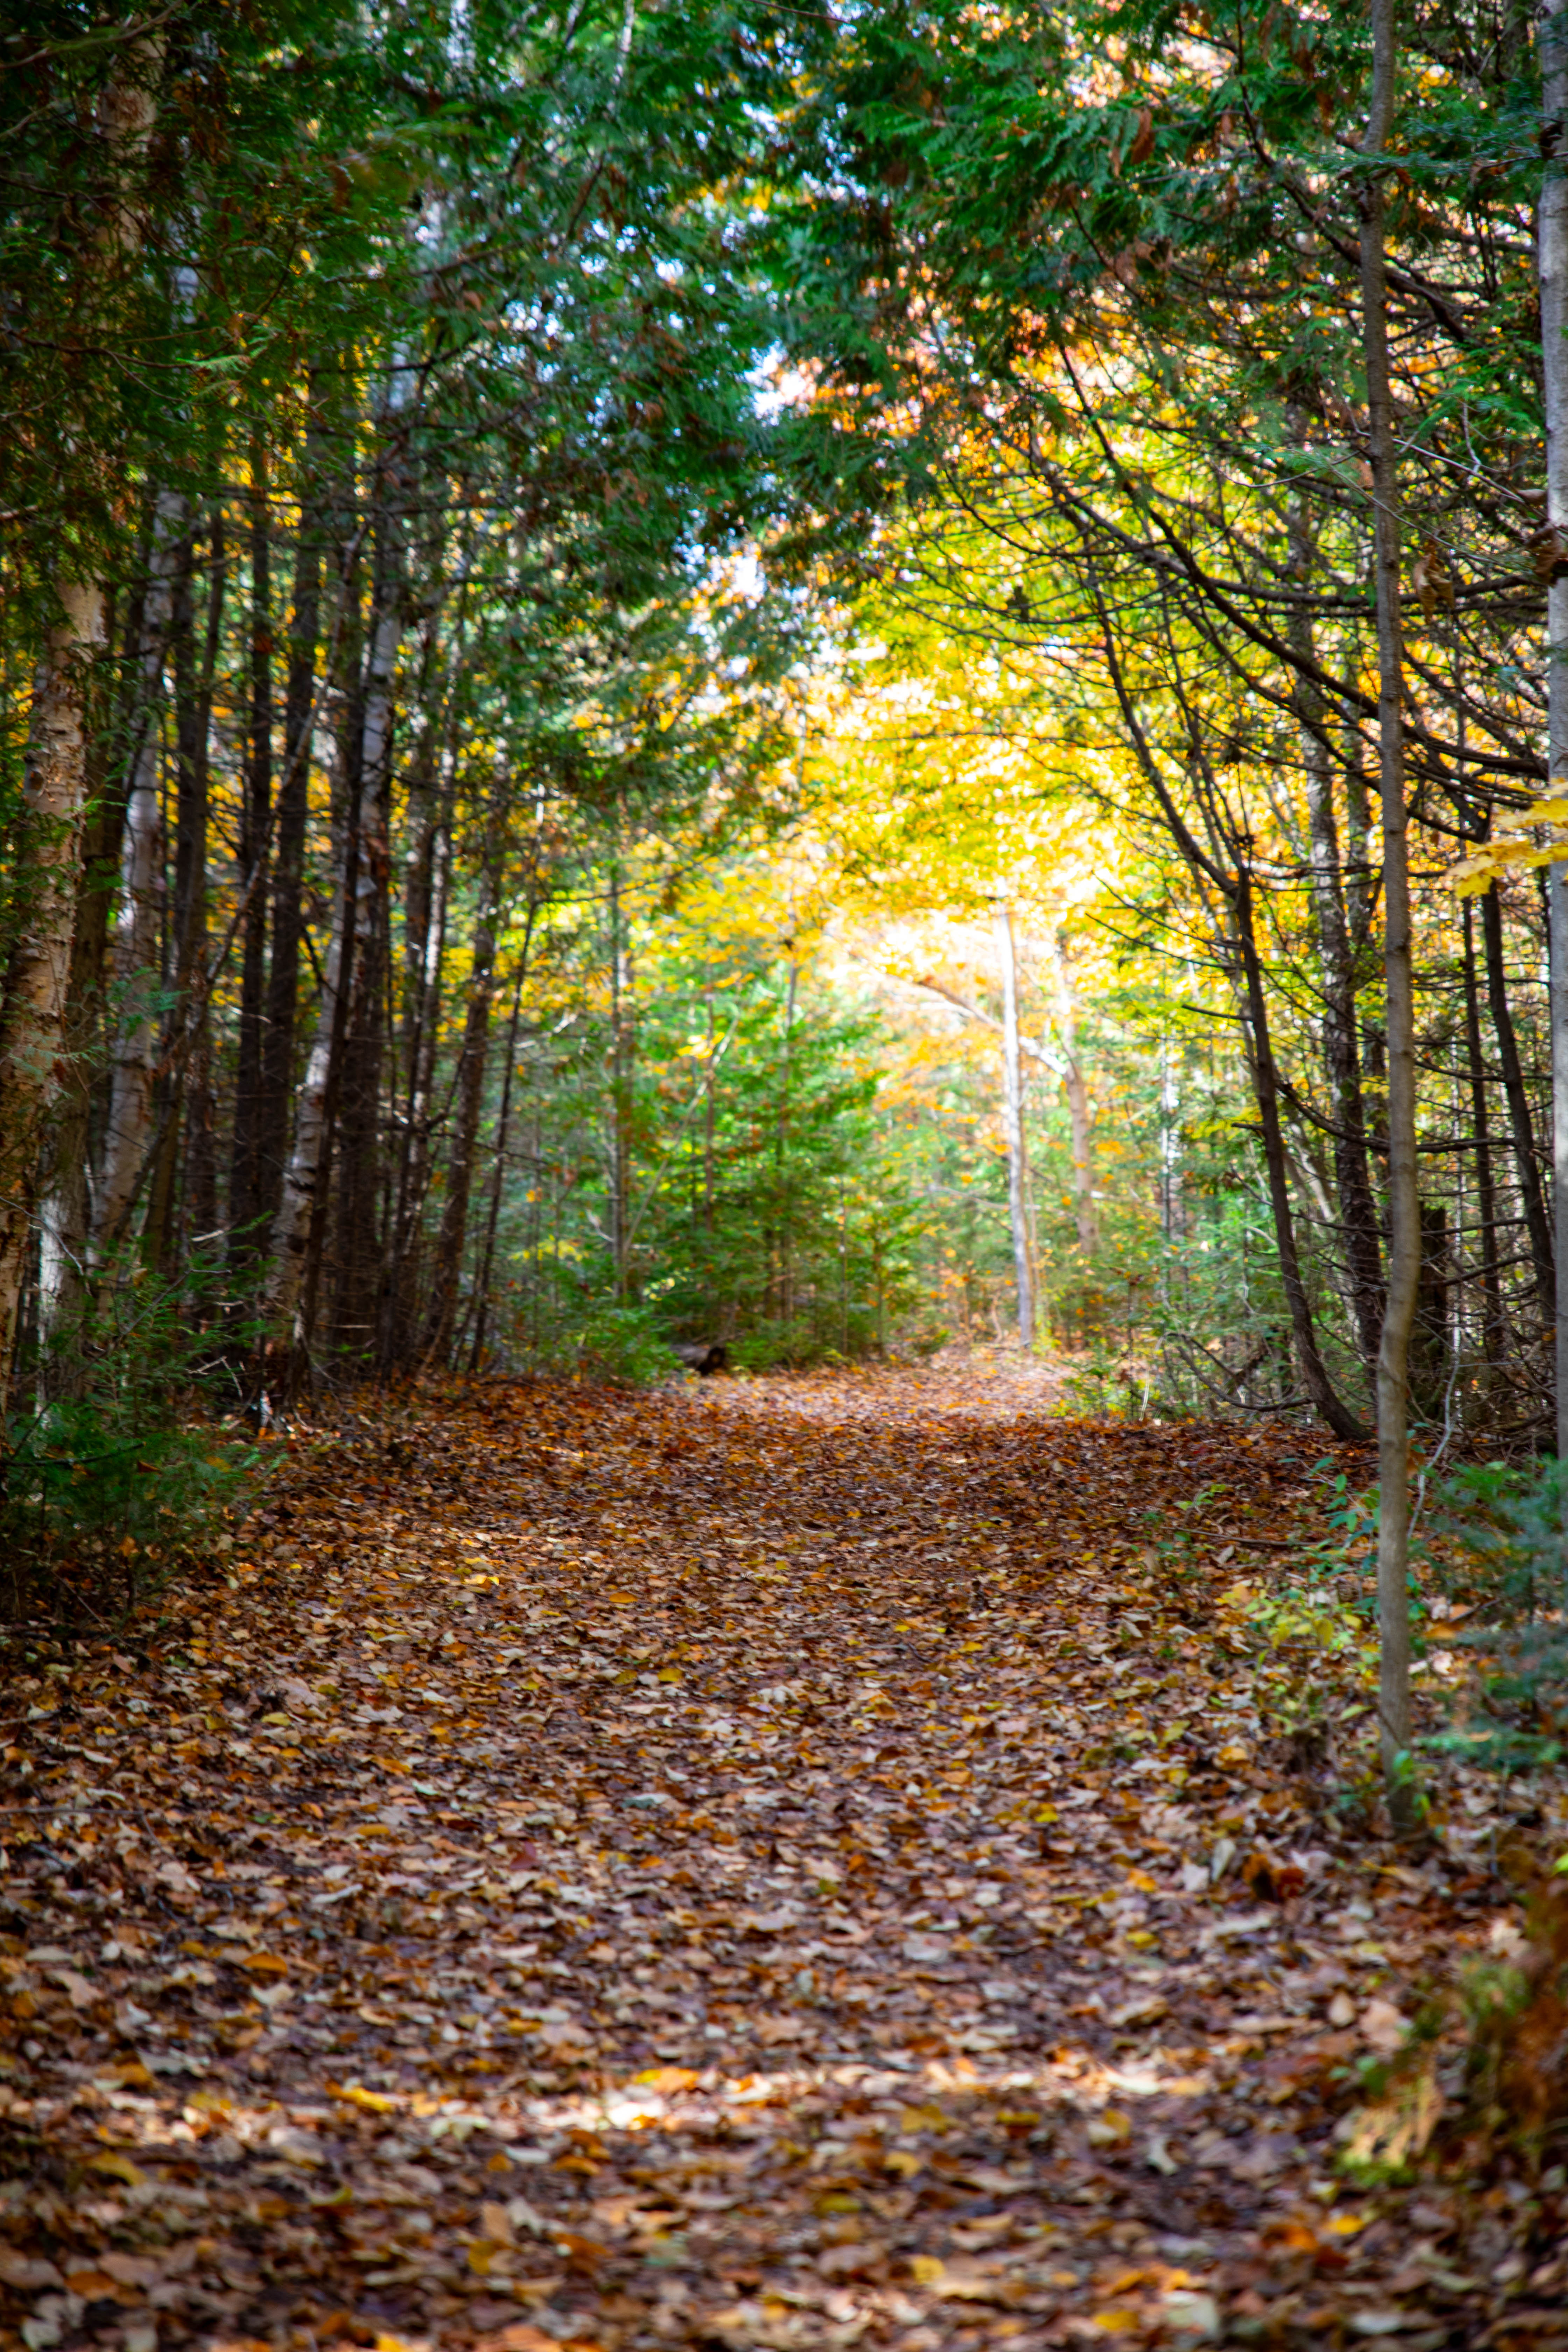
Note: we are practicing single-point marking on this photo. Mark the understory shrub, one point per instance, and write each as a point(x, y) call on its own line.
point(122, 1452)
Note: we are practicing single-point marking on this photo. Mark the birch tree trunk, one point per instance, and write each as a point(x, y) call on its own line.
point(304, 1175)
point(138, 954)
point(31, 1020)
point(1553, 19)
point(1013, 1123)
point(1403, 1204)
point(33, 1006)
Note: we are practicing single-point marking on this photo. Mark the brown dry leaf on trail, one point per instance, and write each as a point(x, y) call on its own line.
point(778, 1864)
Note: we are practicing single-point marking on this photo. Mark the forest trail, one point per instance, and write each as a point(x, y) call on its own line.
point(729, 1867)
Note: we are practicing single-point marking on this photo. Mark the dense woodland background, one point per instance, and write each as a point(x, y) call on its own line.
point(562, 569)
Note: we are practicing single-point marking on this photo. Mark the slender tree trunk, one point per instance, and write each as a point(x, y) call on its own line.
point(295, 1249)
point(188, 924)
point(1552, 20)
point(1013, 1123)
point(305, 1176)
point(620, 1092)
point(358, 1250)
point(1086, 1218)
point(290, 823)
point(449, 1241)
point(1521, 1126)
point(1404, 1203)
point(1352, 1168)
point(245, 1201)
point(139, 945)
point(1314, 1371)
point(498, 1177)
point(1493, 1331)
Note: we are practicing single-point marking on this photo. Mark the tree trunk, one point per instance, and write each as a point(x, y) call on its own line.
point(621, 1062)
point(54, 793)
point(358, 1240)
point(246, 1191)
point(290, 820)
point(504, 1125)
point(471, 1088)
point(305, 1175)
point(139, 947)
point(1314, 1371)
point(1516, 1094)
point(1403, 1204)
point(1352, 1168)
point(1552, 20)
point(66, 1217)
point(1078, 1113)
point(1013, 1124)
point(1493, 1332)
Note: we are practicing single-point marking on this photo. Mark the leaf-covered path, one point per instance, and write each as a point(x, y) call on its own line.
point(729, 1867)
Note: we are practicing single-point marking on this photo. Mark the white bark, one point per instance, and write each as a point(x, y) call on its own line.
point(1013, 1121)
point(1553, 263)
point(32, 1025)
point(33, 1009)
point(140, 931)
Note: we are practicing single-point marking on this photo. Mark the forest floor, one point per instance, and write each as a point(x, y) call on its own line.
point(776, 1862)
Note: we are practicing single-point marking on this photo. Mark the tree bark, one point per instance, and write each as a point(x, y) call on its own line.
point(1353, 1167)
point(1013, 1126)
point(1085, 1217)
point(299, 1210)
point(1404, 1203)
point(1552, 250)
point(290, 820)
point(1521, 1126)
point(448, 1265)
point(1266, 1084)
point(247, 1199)
point(1493, 1331)
point(33, 1006)
point(353, 1315)
point(33, 1040)
point(138, 956)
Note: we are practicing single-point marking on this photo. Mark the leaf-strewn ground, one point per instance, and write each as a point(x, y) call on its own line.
point(733, 1867)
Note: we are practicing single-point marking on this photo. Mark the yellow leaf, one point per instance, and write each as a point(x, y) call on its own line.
point(1045, 1814)
point(120, 2166)
point(1141, 1880)
point(1116, 2323)
point(1345, 2225)
point(354, 2095)
point(926, 2269)
point(265, 1964)
point(1111, 2130)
